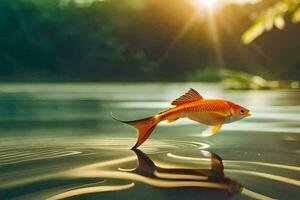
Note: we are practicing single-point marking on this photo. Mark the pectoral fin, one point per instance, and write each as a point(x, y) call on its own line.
point(216, 128)
point(212, 131)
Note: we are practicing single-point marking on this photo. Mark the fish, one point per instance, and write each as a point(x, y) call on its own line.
point(191, 105)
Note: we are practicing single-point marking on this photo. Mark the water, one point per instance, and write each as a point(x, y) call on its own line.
point(59, 141)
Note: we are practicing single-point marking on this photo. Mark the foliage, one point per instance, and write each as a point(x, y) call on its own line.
point(208, 74)
point(132, 40)
point(240, 80)
point(273, 17)
point(41, 40)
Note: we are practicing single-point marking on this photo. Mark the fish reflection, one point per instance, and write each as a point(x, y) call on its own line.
point(169, 180)
point(175, 182)
point(184, 177)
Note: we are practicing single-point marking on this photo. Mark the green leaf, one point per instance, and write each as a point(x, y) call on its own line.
point(253, 32)
point(279, 22)
point(296, 16)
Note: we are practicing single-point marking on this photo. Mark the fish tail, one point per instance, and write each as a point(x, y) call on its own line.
point(144, 127)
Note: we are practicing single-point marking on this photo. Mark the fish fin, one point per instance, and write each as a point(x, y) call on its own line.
point(144, 126)
point(216, 128)
point(190, 96)
point(145, 164)
point(212, 131)
point(172, 120)
point(217, 164)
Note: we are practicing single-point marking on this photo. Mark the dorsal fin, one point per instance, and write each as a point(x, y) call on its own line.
point(190, 96)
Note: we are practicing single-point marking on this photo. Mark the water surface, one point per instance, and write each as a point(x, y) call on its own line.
point(58, 141)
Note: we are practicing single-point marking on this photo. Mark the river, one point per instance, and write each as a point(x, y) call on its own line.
point(58, 141)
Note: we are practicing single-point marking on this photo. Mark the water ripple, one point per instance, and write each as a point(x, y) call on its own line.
point(13, 157)
point(117, 166)
point(89, 190)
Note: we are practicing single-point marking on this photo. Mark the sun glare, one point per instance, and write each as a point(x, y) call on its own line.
point(204, 4)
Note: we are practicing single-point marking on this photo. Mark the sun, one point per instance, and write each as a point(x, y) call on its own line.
point(205, 4)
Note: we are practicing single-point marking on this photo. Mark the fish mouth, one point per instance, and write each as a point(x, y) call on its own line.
point(248, 114)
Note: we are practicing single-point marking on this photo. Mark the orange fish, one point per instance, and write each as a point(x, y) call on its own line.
point(212, 112)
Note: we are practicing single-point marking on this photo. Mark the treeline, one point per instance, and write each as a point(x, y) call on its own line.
point(129, 40)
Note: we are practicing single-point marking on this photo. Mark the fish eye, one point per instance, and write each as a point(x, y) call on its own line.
point(242, 111)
